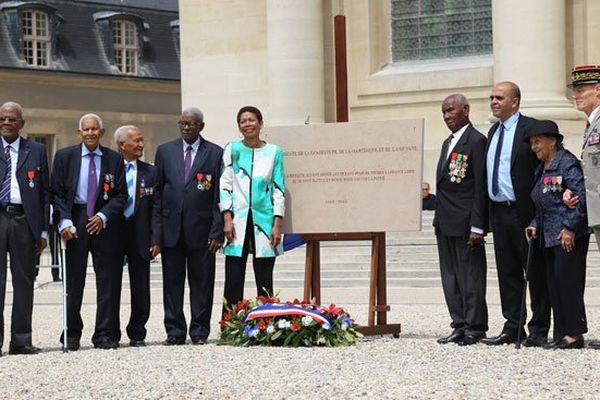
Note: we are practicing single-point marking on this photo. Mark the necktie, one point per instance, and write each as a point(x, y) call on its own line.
point(187, 163)
point(5, 188)
point(130, 189)
point(92, 186)
point(495, 181)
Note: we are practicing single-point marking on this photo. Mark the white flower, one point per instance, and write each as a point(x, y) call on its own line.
point(254, 332)
point(270, 329)
point(344, 325)
point(321, 340)
point(281, 324)
point(288, 324)
point(306, 320)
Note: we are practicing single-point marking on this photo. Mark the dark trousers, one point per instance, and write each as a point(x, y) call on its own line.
point(235, 270)
point(566, 285)
point(105, 261)
point(463, 271)
point(17, 240)
point(139, 284)
point(510, 247)
point(200, 266)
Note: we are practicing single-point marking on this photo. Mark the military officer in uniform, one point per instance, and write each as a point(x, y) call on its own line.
point(585, 83)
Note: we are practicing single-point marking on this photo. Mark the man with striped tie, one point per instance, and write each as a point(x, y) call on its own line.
point(88, 184)
point(24, 211)
point(135, 235)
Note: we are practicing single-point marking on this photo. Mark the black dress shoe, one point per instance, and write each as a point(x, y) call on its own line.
point(563, 344)
point(454, 337)
point(106, 344)
point(137, 343)
point(199, 340)
point(534, 341)
point(471, 338)
point(503, 338)
point(594, 344)
point(174, 341)
point(23, 350)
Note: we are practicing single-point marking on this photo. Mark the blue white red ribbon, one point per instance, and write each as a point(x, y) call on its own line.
point(280, 310)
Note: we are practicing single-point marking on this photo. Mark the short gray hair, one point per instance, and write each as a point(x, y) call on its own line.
point(121, 132)
point(14, 105)
point(90, 115)
point(195, 112)
point(459, 98)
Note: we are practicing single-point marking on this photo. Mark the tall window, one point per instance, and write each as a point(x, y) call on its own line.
point(125, 46)
point(433, 29)
point(36, 38)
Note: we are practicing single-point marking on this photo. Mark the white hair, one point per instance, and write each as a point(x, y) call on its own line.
point(195, 112)
point(14, 105)
point(90, 115)
point(121, 132)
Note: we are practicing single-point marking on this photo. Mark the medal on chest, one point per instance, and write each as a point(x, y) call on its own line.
point(31, 177)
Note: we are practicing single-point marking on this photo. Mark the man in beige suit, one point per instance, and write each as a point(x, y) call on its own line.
point(585, 83)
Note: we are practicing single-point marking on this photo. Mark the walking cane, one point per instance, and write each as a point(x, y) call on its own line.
point(63, 262)
point(524, 297)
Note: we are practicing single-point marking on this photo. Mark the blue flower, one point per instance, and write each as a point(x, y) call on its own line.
point(250, 331)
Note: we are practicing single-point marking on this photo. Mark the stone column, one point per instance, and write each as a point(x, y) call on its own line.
point(295, 61)
point(529, 49)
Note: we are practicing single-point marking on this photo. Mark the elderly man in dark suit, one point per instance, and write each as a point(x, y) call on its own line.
point(460, 222)
point(24, 213)
point(191, 226)
point(510, 166)
point(88, 183)
point(135, 231)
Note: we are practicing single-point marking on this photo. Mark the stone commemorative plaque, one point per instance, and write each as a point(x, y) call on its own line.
point(352, 177)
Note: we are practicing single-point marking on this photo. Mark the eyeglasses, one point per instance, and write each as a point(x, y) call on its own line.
point(10, 120)
point(183, 124)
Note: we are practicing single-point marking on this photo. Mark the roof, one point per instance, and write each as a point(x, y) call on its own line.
point(81, 40)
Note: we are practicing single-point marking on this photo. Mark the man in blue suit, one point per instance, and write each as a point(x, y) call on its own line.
point(135, 230)
point(24, 213)
point(88, 183)
point(187, 215)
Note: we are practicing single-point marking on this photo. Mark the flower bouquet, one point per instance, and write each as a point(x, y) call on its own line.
point(266, 321)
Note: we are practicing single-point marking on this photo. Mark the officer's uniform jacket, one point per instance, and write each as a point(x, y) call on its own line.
point(591, 170)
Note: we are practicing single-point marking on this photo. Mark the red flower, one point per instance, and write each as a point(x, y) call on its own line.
point(262, 325)
point(332, 310)
point(241, 305)
point(296, 326)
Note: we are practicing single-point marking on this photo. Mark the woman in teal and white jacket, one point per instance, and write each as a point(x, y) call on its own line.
point(252, 191)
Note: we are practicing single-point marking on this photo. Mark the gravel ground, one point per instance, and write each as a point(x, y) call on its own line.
point(413, 366)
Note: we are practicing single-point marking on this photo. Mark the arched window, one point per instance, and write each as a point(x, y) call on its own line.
point(125, 46)
point(36, 38)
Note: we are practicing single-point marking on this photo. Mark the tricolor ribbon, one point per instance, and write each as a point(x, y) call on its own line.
point(279, 310)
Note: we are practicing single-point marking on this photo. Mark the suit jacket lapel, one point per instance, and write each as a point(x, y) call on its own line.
point(24, 151)
point(103, 171)
point(445, 161)
point(518, 139)
point(76, 168)
point(178, 159)
point(200, 154)
point(140, 177)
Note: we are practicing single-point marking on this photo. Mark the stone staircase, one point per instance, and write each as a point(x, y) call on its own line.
point(412, 261)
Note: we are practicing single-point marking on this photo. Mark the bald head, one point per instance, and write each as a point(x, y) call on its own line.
point(505, 100)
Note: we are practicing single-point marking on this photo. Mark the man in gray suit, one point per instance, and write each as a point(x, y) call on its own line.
point(24, 213)
point(585, 82)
